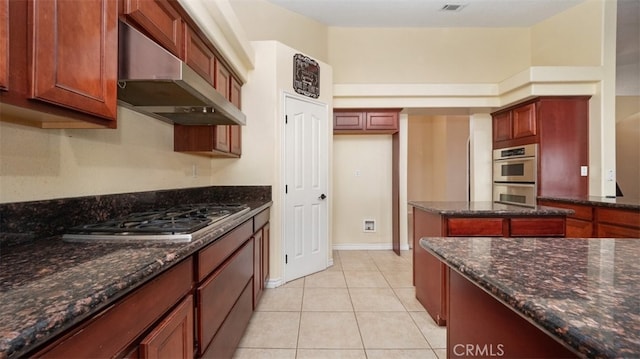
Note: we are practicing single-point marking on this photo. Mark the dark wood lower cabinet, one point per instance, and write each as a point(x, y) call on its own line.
point(126, 320)
point(198, 308)
point(599, 221)
point(173, 338)
point(225, 342)
point(479, 326)
point(218, 294)
point(430, 274)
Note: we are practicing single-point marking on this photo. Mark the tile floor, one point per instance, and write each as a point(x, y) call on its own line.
point(363, 306)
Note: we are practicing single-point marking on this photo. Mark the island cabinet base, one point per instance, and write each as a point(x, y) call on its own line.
point(479, 326)
point(430, 274)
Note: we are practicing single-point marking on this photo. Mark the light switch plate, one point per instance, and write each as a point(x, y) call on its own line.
point(584, 171)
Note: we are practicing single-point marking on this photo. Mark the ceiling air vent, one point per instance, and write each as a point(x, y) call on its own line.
point(452, 7)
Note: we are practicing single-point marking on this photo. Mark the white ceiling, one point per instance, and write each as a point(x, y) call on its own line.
point(427, 13)
point(475, 13)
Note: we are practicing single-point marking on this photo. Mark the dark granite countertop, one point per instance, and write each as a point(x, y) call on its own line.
point(615, 202)
point(47, 285)
point(584, 292)
point(486, 209)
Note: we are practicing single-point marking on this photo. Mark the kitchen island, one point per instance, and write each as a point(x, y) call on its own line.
point(541, 297)
point(470, 219)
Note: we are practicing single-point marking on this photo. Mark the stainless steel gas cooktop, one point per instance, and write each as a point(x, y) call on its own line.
point(176, 224)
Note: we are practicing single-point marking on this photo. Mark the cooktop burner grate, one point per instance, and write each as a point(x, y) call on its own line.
point(174, 223)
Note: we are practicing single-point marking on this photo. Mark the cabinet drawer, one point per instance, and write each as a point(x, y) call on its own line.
point(621, 217)
point(261, 219)
point(217, 295)
point(534, 227)
point(475, 227)
point(226, 340)
point(212, 256)
point(127, 319)
point(582, 212)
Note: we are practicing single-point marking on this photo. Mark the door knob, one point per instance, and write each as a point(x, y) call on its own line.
point(322, 196)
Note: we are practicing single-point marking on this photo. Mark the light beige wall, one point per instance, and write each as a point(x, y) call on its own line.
point(437, 159)
point(264, 21)
point(571, 38)
point(362, 190)
point(261, 162)
point(432, 55)
point(38, 164)
point(628, 145)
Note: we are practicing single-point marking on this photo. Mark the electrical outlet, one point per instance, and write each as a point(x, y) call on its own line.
point(584, 171)
point(194, 170)
point(358, 173)
point(611, 175)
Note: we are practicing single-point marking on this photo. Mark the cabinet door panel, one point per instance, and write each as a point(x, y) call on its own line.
point(198, 56)
point(173, 337)
point(502, 126)
point(4, 44)
point(382, 121)
point(524, 121)
point(223, 80)
point(73, 62)
point(266, 232)
point(222, 138)
point(257, 267)
point(348, 121)
point(160, 20)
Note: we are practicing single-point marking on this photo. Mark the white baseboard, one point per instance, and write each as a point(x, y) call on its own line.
point(273, 283)
point(368, 247)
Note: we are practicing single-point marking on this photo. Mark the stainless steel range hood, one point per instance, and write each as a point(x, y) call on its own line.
point(155, 82)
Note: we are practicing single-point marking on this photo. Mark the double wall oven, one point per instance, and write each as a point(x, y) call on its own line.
point(515, 175)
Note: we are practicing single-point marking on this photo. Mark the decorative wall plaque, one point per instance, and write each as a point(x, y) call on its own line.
point(306, 76)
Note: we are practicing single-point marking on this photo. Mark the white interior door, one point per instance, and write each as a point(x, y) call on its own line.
point(306, 176)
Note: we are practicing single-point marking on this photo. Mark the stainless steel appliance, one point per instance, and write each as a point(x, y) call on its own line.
point(176, 224)
point(515, 175)
point(153, 81)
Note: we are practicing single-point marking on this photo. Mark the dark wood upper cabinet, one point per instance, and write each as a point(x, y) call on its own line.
point(560, 127)
point(515, 126)
point(359, 121)
point(58, 63)
point(161, 21)
point(235, 132)
point(524, 121)
point(73, 62)
point(198, 56)
point(4, 44)
point(502, 127)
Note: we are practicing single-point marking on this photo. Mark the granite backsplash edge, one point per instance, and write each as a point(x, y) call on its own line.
point(24, 221)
